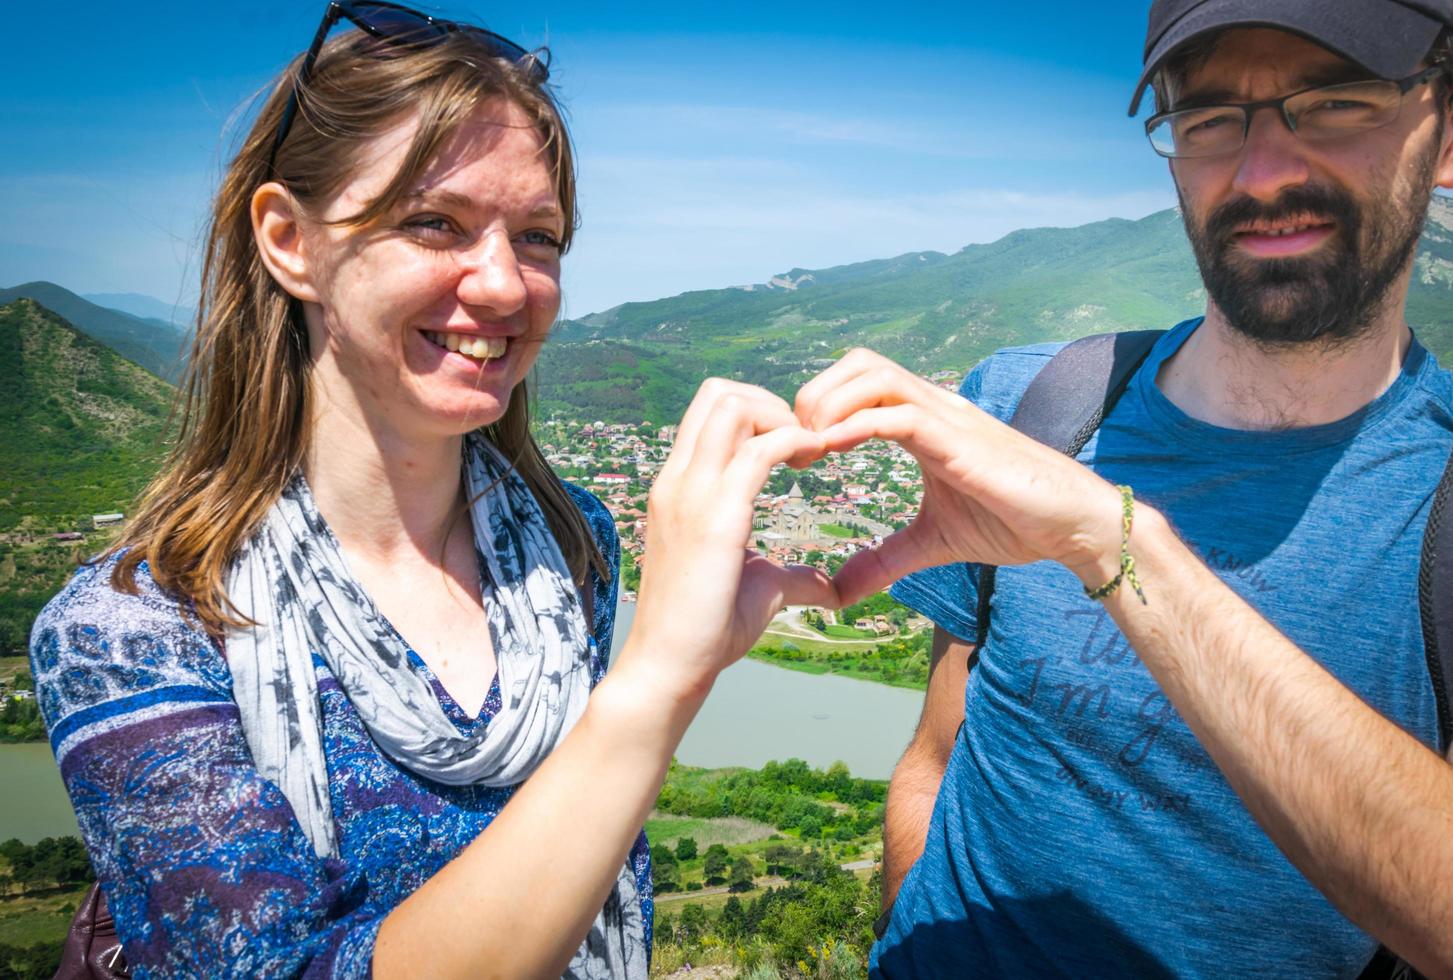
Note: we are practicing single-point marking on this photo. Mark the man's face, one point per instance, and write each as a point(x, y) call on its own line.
point(1300, 241)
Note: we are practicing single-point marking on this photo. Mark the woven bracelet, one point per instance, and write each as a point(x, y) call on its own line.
point(1127, 563)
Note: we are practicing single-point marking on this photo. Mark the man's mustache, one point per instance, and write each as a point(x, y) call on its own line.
point(1320, 205)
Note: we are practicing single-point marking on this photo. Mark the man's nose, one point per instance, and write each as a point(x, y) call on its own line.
point(491, 277)
point(1273, 159)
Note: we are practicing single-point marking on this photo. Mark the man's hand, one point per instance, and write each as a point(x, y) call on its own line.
point(990, 495)
point(1356, 803)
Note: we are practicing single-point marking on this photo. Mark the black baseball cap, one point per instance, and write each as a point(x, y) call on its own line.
point(1387, 37)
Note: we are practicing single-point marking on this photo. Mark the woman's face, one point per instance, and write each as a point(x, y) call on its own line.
point(425, 322)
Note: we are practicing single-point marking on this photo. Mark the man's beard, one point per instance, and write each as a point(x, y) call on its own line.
point(1335, 294)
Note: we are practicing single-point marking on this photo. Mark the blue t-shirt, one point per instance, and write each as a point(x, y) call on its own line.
point(1081, 830)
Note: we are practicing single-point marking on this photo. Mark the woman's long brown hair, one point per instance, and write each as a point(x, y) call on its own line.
point(242, 411)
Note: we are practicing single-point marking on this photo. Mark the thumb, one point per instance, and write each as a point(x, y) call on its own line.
point(873, 570)
point(769, 585)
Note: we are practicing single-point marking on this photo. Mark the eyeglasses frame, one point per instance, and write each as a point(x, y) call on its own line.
point(1249, 109)
point(538, 66)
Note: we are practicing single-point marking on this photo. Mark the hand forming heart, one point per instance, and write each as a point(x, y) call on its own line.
point(990, 495)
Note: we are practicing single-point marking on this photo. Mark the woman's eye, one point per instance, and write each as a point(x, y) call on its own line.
point(539, 236)
point(431, 226)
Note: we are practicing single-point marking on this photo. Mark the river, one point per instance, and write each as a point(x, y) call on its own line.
point(756, 713)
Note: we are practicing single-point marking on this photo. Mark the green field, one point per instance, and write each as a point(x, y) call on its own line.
point(837, 631)
point(10, 666)
point(900, 662)
point(38, 918)
point(837, 531)
point(815, 647)
point(664, 828)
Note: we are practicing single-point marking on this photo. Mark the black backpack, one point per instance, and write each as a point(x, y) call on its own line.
point(1069, 399)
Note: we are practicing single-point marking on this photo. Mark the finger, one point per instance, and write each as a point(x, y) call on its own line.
point(803, 585)
point(883, 385)
point(767, 588)
point(752, 463)
point(898, 423)
point(736, 418)
point(704, 407)
point(900, 553)
point(849, 366)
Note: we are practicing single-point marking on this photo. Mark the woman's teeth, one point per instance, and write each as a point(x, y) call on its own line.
point(479, 348)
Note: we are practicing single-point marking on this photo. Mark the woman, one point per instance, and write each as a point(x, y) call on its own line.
point(297, 706)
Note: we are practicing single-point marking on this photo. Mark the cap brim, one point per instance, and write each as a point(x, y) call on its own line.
point(1390, 49)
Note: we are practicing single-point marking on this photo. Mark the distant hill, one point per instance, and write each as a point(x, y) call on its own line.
point(928, 310)
point(145, 307)
point(157, 345)
point(81, 433)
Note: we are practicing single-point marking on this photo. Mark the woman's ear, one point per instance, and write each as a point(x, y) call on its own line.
point(277, 229)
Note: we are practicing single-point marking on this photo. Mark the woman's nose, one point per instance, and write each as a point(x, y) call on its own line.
point(491, 277)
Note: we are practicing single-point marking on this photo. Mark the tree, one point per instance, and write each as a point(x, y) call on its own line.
point(715, 866)
point(732, 923)
point(665, 873)
point(630, 572)
point(742, 879)
point(686, 849)
point(693, 921)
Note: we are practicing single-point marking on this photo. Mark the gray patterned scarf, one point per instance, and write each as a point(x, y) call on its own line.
point(291, 579)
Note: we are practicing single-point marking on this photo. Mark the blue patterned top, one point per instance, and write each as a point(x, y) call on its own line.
point(205, 868)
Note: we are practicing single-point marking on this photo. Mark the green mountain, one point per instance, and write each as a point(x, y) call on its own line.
point(928, 310)
point(155, 344)
point(81, 432)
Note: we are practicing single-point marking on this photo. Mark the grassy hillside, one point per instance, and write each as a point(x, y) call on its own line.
point(928, 310)
point(80, 434)
point(155, 344)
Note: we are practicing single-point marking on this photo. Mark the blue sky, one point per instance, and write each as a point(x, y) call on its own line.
point(717, 146)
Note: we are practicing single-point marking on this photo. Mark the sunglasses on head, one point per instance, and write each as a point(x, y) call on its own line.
point(402, 26)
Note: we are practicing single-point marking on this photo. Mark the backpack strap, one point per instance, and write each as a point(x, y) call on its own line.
point(1067, 401)
point(1435, 601)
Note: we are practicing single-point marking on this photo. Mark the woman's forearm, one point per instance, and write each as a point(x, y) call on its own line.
point(518, 901)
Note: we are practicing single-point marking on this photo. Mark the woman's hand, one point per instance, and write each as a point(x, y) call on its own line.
point(991, 494)
point(705, 596)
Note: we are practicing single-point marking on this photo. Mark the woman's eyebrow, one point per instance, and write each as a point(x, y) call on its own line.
point(463, 202)
point(449, 198)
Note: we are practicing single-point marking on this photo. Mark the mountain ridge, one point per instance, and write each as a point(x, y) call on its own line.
point(157, 345)
point(929, 310)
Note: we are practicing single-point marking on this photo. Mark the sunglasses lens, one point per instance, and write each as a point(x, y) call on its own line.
point(535, 63)
point(395, 24)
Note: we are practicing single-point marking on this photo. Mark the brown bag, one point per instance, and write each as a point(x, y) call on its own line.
point(92, 951)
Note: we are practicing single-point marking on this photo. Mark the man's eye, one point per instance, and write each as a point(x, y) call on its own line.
point(1342, 105)
point(1204, 124)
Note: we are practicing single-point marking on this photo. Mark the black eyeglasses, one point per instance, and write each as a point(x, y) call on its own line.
point(401, 26)
point(1328, 112)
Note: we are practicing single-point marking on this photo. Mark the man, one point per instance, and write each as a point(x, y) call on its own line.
point(1173, 787)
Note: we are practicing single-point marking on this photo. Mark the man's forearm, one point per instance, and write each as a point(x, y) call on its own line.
point(911, 796)
point(1359, 806)
point(918, 775)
